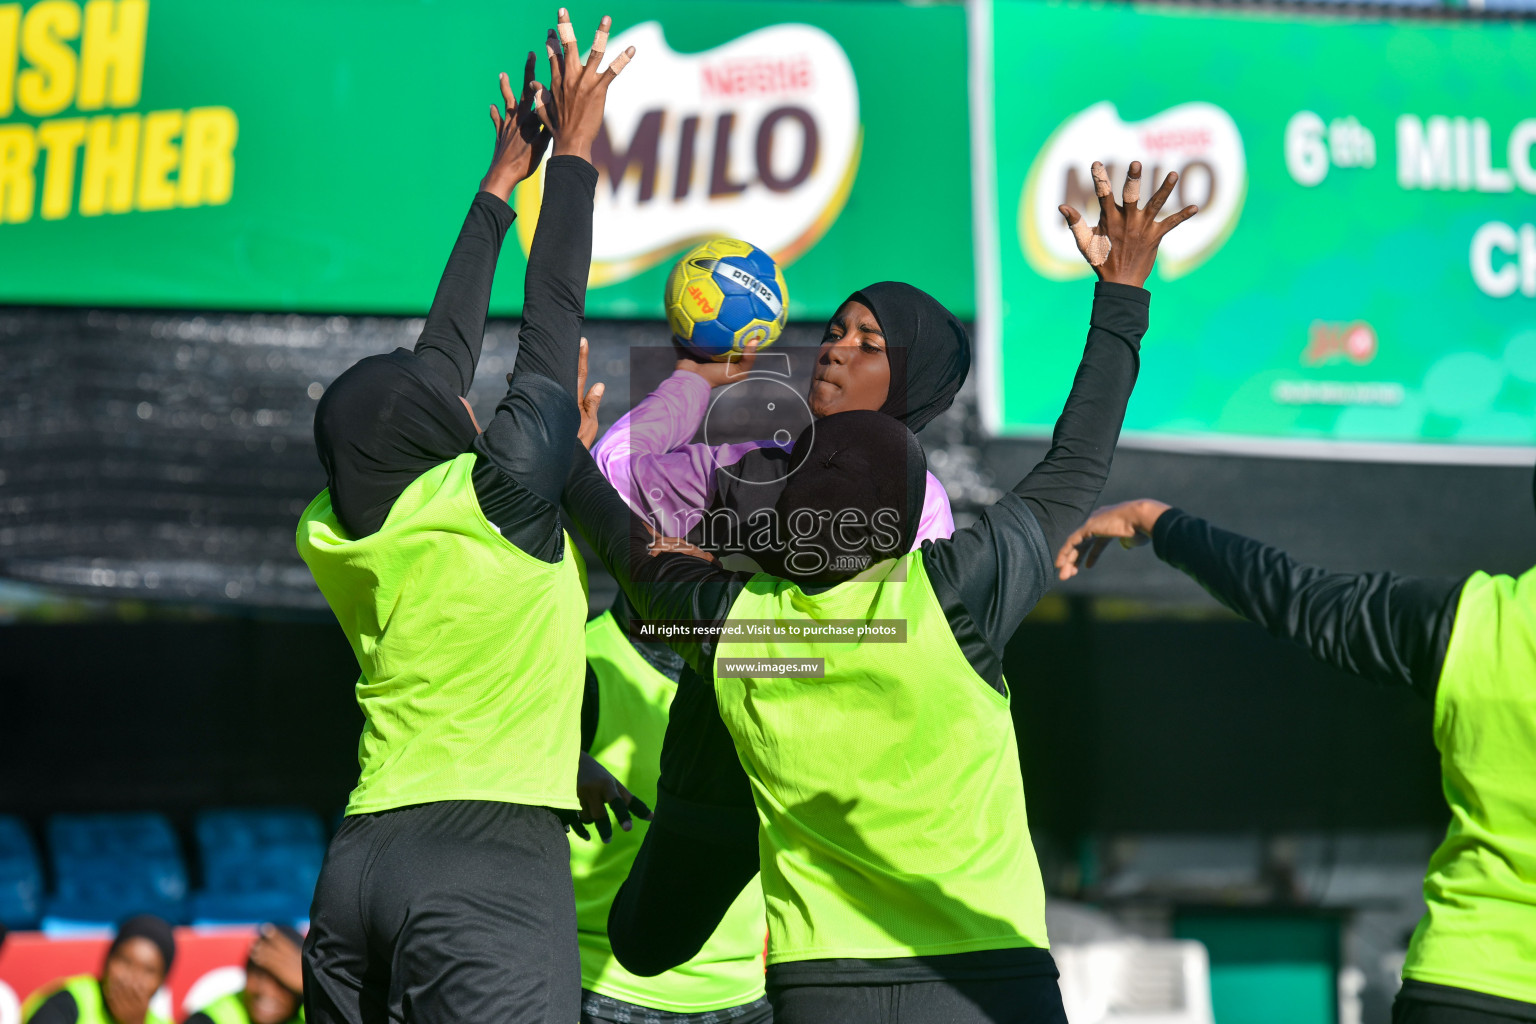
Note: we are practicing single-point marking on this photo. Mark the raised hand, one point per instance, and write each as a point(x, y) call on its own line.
point(1123, 246)
point(589, 401)
point(1129, 522)
point(276, 954)
point(572, 106)
point(722, 371)
point(597, 790)
point(520, 138)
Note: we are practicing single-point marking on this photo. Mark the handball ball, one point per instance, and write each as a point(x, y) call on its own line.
point(723, 295)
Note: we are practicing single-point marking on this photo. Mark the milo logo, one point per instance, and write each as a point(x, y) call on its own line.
point(1198, 140)
point(757, 138)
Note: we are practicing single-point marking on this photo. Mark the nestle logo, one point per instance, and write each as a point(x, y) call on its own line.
point(1177, 138)
point(758, 76)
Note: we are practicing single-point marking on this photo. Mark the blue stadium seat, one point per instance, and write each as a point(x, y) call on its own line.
point(21, 876)
point(109, 866)
point(258, 865)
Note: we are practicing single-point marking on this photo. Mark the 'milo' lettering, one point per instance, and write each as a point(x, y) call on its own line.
point(652, 152)
point(55, 54)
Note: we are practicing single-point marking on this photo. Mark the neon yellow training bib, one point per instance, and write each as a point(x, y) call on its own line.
point(470, 649)
point(89, 1003)
point(890, 796)
point(633, 705)
point(1480, 930)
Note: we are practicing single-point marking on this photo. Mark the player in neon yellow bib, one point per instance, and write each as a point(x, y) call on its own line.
point(274, 983)
point(857, 692)
point(1469, 646)
point(446, 894)
point(136, 965)
point(629, 692)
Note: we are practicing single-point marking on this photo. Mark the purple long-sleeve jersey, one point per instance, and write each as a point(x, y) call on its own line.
point(647, 457)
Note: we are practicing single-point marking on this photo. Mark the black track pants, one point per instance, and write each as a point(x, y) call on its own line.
point(445, 912)
point(993, 1001)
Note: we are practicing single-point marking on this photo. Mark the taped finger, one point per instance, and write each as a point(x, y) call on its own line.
point(1101, 186)
point(621, 62)
point(1131, 196)
point(599, 43)
point(1093, 245)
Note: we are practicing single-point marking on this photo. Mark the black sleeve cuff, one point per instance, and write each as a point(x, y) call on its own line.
point(580, 170)
point(500, 212)
point(1163, 529)
point(1121, 309)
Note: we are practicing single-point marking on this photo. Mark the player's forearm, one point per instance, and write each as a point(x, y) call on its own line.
point(1388, 628)
point(683, 881)
point(455, 328)
point(666, 586)
point(555, 289)
point(1064, 487)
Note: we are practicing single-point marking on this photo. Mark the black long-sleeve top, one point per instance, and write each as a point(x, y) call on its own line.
point(1388, 628)
point(380, 429)
point(701, 847)
point(59, 1008)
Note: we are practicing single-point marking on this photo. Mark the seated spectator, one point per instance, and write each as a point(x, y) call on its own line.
point(274, 983)
point(137, 962)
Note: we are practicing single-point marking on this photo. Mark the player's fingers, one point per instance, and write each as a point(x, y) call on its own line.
point(567, 38)
point(1083, 233)
point(620, 807)
point(525, 98)
point(599, 44)
point(594, 398)
point(1101, 186)
point(619, 64)
point(1131, 195)
point(540, 107)
point(556, 59)
point(581, 831)
point(509, 102)
point(1068, 550)
point(604, 826)
point(1155, 204)
point(1169, 223)
point(581, 367)
point(1095, 550)
point(496, 117)
point(1071, 215)
point(639, 808)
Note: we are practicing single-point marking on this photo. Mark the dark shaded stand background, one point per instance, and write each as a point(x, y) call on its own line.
point(154, 466)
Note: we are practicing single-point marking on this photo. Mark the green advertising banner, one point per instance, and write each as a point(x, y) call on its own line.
point(1360, 279)
point(319, 157)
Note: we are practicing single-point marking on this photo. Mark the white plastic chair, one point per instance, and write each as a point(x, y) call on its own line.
point(1135, 981)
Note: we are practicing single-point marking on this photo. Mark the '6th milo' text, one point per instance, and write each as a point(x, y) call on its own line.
point(56, 55)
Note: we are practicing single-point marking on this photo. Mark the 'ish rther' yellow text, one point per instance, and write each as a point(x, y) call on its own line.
point(61, 57)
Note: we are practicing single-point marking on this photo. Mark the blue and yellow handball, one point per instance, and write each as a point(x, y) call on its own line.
point(723, 295)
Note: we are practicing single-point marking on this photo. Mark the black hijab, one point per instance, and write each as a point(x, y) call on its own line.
point(156, 930)
point(382, 424)
point(928, 349)
point(859, 463)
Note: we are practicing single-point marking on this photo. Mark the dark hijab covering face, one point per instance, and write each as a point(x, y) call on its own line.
point(928, 349)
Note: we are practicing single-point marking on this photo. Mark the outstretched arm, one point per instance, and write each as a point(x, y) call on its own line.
point(526, 448)
point(450, 342)
point(1062, 489)
point(990, 574)
point(1392, 629)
